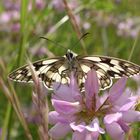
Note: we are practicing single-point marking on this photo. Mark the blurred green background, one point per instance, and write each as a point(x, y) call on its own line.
point(113, 25)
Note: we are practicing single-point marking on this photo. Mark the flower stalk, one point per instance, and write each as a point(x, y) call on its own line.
point(41, 105)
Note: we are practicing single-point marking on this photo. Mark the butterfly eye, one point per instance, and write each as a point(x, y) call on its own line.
point(69, 55)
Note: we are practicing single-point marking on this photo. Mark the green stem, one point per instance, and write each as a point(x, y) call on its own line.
point(6, 124)
point(105, 40)
point(133, 48)
point(23, 36)
point(103, 137)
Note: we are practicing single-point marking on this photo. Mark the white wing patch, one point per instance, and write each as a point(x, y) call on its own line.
point(97, 59)
point(85, 68)
point(47, 62)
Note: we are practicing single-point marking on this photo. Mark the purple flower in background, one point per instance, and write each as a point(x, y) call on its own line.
point(15, 27)
point(137, 79)
point(128, 28)
point(137, 91)
point(9, 21)
point(11, 5)
point(9, 18)
point(38, 51)
point(80, 112)
point(59, 6)
point(117, 1)
point(104, 20)
point(40, 4)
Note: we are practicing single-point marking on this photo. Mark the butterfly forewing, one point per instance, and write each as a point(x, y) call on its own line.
point(108, 68)
point(48, 71)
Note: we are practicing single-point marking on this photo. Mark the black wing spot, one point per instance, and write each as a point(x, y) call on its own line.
point(27, 79)
point(107, 61)
point(38, 65)
point(113, 73)
point(24, 71)
point(44, 77)
point(123, 65)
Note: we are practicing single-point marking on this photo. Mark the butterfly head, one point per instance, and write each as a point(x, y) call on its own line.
point(70, 55)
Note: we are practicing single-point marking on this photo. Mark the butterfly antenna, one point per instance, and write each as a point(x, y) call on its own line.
point(53, 42)
point(83, 36)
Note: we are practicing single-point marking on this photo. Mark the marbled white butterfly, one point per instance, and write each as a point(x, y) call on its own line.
point(59, 69)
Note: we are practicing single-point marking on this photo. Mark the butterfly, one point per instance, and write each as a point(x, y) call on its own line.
point(58, 70)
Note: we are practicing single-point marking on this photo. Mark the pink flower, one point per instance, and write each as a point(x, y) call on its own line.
point(40, 4)
point(80, 112)
point(9, 19)
point(59, 6)
point(128, 28)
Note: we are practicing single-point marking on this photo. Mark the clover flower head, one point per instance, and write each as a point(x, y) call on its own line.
point(83, 112)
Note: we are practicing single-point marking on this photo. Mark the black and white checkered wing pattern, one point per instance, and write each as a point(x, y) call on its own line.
point(49, 71)
point(108, 68)
point(59, 69)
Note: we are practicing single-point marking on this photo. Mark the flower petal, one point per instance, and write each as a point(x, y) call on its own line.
point(85, 135)
point(91, 84)
point(127, 106)
point(124, 126)
point(74, 88)
point(67, 108)
point(110, 118)
point(78, 136)
point(92, 136)
point(131, 116)
point(117, 89)
point(78, 127)
point(94, 127)
point(123, 98)
point(54, 117)
point(59, 131)
point(62, 92)
point(115, 131)
point(92, 89)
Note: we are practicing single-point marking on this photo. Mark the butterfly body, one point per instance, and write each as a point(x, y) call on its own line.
point(59, 69)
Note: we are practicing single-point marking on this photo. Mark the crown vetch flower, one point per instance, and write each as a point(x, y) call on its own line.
point(83, 112)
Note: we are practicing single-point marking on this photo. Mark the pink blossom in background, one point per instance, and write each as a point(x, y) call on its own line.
point(118, 1)
point(38, 51)
point(137, 79)
point(128, 28)
point(40, 4)
point(82, 113)
point(11, 5)
point(59, 6)
point(10, 18)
